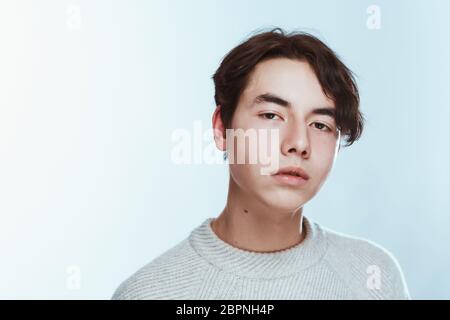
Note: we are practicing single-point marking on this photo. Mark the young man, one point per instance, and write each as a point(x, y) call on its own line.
point(262, 246)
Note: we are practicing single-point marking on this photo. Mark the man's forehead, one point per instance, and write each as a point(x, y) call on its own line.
point(294, 89)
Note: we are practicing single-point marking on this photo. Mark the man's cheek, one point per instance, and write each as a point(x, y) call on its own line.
point(268, 150)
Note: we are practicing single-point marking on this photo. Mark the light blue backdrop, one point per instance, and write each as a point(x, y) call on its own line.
point(91, 92)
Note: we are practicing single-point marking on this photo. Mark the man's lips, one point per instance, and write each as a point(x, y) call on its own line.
point(293, 171)
point(293, 176)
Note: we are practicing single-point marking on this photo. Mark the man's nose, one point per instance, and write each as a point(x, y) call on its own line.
point(296, 139)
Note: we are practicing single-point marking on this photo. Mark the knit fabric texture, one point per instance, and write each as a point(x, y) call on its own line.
point(325, 265)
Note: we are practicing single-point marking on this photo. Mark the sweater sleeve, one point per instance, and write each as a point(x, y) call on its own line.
point(401, 291)
point(369, 270)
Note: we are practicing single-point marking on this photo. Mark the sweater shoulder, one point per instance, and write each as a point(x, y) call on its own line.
point(370, 269)
point(160, 278)
point(357, 246)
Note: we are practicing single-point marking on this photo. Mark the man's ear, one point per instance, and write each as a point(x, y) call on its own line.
point(219, 130)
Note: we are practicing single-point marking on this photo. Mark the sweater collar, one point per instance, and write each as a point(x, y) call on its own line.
point(259, 264)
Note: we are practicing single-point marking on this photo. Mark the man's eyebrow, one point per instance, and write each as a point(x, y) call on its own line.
point(325, 111)
point(272, 98)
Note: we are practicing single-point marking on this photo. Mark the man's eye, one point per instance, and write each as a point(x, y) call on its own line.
point(321, 126)
point(268, 115)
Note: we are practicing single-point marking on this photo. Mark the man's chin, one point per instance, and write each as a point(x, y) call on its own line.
point(286, 205)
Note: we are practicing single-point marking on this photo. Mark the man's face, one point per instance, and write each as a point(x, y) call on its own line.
point(306, 139)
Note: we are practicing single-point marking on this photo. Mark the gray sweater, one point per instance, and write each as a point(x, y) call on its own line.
point(325, 265)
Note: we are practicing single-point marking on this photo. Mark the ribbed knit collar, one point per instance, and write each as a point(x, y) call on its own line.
point(259, 264)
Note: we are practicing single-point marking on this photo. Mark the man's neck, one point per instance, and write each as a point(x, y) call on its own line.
point(247, 224)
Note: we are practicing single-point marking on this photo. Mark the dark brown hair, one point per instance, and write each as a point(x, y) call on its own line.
point(336, 79)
